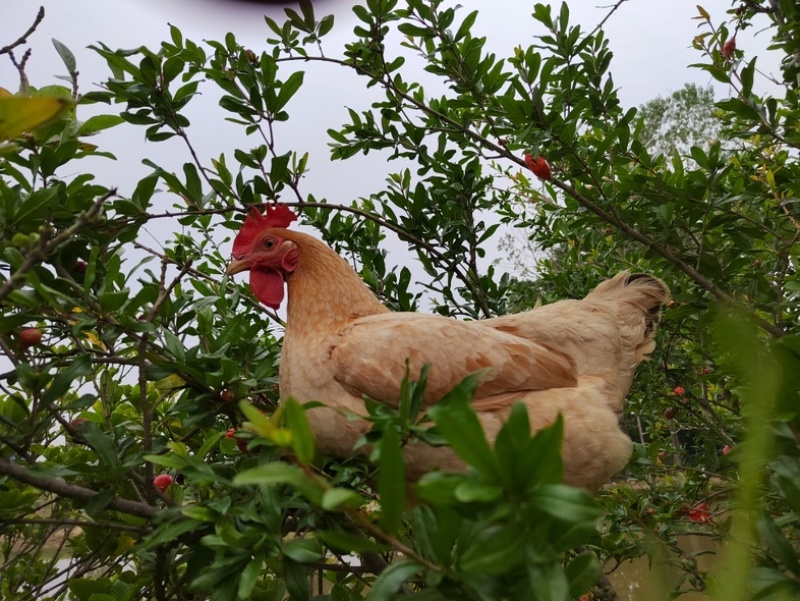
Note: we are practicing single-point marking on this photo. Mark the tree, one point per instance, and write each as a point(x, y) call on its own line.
point(145, 421)
point(680, 122)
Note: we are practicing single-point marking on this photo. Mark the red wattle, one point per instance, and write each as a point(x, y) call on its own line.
point(267, 285)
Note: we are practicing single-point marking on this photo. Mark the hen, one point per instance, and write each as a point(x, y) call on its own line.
point(574, 357)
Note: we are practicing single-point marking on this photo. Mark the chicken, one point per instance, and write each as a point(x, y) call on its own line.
point(573, 357)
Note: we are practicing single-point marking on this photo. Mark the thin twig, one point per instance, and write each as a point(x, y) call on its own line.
point(24, 37)
point(603, 21)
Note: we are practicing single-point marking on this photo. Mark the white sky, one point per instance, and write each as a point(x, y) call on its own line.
point(651, 41)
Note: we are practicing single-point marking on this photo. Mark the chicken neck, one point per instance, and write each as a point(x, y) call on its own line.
point(325, 293)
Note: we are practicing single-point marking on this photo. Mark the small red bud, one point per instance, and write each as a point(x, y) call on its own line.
point(240, 442)
point(162, 482)
point(539, 166)
point(729, 48)
point(679, 390)
point(30, 337)
point(669, 412)
point(700, 513)
point(726, 449)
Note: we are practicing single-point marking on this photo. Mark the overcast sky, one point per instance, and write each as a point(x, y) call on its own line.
point(651, 41)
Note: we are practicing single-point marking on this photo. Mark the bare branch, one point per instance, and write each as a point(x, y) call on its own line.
point(24, 37)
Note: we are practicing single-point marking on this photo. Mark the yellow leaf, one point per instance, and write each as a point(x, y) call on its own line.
point(771, 180)
point(257, 423)
point(282, 437)
point(19, 114)
point(171, 383)
point(92, 337)
point(124, 544)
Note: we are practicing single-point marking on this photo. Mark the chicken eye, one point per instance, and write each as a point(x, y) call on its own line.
point(269, 243)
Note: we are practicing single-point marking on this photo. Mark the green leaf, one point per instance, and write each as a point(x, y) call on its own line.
point(270, 473)
point(257, 422)
point(101, 444)
point(471, 491)
point(35, 206)
point(66, 379)
point(302, 436)
point(778, 544)
point(281, 473)
point(249, 577)
point(287, 90)
point(171, 531)
point(325, 25)
point(391, 579)
point(98, 123)
point(457, 422)
point(439, 488)
point(66, 56)
point(302, 550)
point(548, 582)
point(565, 503)
point(194, 186)
point(466, 26)
point(295, 576)
point(337, 499)
point(391, 480)
point(583, 572)
point(349, 542)
point(495, 551)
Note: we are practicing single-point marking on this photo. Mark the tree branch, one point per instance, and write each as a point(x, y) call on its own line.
point(63, 488)
point(24, 37)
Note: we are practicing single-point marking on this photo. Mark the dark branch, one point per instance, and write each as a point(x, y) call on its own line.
point(65, 489)
point(24, 37)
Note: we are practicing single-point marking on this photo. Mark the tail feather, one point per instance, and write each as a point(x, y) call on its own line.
point(634, 295)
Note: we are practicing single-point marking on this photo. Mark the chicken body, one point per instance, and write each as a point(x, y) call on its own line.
point(573, 357)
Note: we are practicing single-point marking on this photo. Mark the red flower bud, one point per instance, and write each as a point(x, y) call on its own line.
point(162, 482)
point(240, 442)
point(726, 449)
point(700, 513)
point(729, 48)
point(30, 337)
point(539, 166)
point(679, 390)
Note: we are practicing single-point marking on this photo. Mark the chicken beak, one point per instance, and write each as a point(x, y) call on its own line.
point(237, 266)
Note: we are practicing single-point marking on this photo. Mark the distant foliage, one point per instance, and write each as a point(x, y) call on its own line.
point(143, 450)
point(677, 123)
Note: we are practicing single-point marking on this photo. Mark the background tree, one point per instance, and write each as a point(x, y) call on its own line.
point(679, 122)
point(122, 425)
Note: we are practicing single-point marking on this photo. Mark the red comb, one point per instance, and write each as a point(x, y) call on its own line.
point(276, 216)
